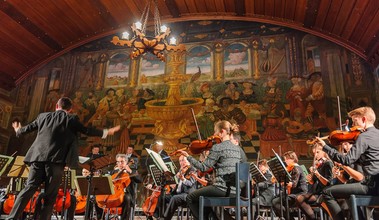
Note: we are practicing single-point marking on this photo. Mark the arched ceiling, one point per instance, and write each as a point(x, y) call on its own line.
point(35, 32)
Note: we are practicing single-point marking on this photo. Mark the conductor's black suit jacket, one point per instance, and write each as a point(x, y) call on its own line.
point(57, 138)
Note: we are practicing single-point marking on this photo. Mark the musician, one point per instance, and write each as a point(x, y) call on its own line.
point(95, 152)
point(186, 185)
point(296, 186)
point(320, 177)
point(223, 158)
point(54, 147)
point(366, 151)
point(132, 158)
point(266, 188)
point(129, 192)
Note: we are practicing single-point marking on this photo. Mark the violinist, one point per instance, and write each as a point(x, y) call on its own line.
point(223, 158)
point(266, 188)
point(130, 190)
point(366, 151)
point(320, 177)
point(186, 185)
point(296, 186)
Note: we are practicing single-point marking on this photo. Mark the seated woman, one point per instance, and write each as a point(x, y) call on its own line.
point(320, 177)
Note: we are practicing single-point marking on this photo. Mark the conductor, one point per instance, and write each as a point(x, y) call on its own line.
point(54, 148)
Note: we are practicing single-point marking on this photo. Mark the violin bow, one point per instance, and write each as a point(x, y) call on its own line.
point(197, 127)
point(339, 112)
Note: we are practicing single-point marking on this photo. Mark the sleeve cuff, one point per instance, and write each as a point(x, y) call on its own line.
point(105, 133)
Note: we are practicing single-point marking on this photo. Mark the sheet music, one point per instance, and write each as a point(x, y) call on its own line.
point(158, 160)
point(256, 173)
point(83, 160)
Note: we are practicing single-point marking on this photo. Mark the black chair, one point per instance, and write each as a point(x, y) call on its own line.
point(242, 179)
point(365, 201)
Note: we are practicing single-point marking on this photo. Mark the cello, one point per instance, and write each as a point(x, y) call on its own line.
point(120, 180)
point(151, 202)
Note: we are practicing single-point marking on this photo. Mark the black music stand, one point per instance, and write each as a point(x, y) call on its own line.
point(4, 163)
point(258, 177)
point(280, 172)
point(92, 165)
point(162, 176)
point(67, 183)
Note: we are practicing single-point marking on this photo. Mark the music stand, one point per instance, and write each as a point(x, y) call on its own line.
point(4, 162)
point(67, 183)
point(19, 168)
point(101, 185)
point(93, 164)
point(162, 176)
point(279, 171)
point(258, 177)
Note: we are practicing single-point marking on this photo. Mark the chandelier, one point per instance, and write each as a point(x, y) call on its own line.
point(141, 43)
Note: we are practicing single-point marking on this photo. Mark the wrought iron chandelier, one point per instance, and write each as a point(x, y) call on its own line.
point(141, 43)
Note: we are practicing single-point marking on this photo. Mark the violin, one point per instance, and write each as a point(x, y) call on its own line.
point(198, 146)
point(337, 137)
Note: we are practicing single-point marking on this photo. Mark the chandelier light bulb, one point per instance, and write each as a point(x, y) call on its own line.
point(139, 25)
point(125, 35)
point(173, 41)
point(163, 28)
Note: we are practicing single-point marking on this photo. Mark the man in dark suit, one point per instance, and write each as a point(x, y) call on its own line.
point(54, 148)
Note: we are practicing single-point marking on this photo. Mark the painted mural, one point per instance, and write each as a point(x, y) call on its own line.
point(275, 84)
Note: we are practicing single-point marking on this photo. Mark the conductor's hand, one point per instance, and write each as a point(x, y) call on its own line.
point(16, 125)
point(113, 130)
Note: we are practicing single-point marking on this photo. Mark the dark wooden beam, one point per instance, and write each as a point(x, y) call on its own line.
point(240, 7)
point(311, 12)
point(28, 25)
point(173, 8)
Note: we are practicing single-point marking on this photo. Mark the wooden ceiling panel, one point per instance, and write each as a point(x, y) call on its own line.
point(371, 32)
point(192, 6)
point(322, 14)
point(201, 6)
point(124, 13)
point(259, 7)
point(182, 6)
point(364, 22)
point(343, 16)
point(300, 10)
point(353, 19)
point(279, 8)
point(331, 18)
point(250, 7)
point(220, 5)
point(290, 7)
point(269, 8)
point(230, 6)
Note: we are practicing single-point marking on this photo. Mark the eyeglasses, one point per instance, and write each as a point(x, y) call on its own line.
point(121, 161)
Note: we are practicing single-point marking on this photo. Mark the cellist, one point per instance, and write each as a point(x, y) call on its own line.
point(129, 193)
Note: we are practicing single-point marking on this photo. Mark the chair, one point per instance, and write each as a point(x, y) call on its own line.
point(242, 178)
point(362, 200)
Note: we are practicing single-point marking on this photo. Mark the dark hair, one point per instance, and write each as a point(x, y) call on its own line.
point(291, 155)
point(65, 103)
point(96, 146)
point(132, 146)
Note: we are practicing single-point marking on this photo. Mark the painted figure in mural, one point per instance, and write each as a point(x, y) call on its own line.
point(148, 95)
point(206, 119)
point(90, 104)
point(121, 97)
point(104, 105)
point(231, 91)
point(296, 97)
point(205, 92)
point(78, 107)
point(273, 105)
point(248, 93)
point(51, 100)
point(229, 112)
point(316, 107)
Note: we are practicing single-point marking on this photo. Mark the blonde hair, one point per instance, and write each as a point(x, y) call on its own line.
point(367, 112)
point(227, 126)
